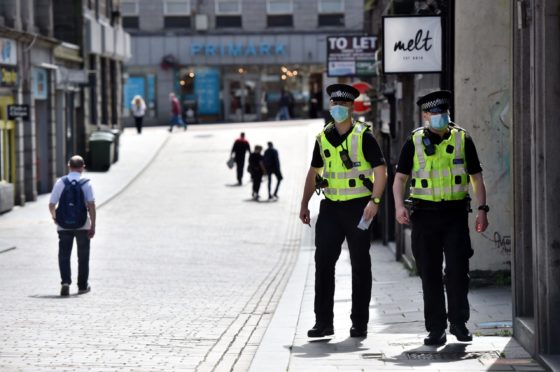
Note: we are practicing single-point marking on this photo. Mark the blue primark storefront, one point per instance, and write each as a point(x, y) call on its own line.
point(227, 77)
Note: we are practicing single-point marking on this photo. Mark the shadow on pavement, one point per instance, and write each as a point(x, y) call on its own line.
point(321, 348)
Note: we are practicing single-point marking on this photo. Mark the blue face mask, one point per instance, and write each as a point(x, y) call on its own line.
point(439, 122)
point(339, 113)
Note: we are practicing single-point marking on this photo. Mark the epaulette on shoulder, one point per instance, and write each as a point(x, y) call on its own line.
point(453, 125)
point(418, 129)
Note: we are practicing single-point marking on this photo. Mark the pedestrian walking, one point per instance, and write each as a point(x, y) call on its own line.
point(284, 106)
point(240, 147)
point(353, 179)
point(440, 158)
point(176, 118)
point(138, 109)
point(257, 170)
point(272, 166)
point(72, 207)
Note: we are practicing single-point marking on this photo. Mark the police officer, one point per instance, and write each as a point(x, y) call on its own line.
point(350, 160)
point(441, 159)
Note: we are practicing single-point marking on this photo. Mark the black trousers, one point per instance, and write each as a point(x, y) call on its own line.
point(256, 177)
point(65, 242)
point(439, 234)
point(138, 122)
point(278, 174)
point(240, 163)
point(338, 221)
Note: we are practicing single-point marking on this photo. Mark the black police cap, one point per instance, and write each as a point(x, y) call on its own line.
point(438, 101)
point(342, 92)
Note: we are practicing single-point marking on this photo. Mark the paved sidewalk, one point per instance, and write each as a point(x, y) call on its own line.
point(137, 151)
point(396, 328)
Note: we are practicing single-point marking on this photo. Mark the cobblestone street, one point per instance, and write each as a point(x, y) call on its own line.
point(185, 268)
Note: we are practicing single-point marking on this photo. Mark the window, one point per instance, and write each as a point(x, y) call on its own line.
point(331, 6)
point(280, 20)
point(130, 22)
point(228, 21)
point(279, 7)
point(228, 7)
point(177, 7)
point(331, 13)
point(228, 14)
point(177, 14)
point(129, 7)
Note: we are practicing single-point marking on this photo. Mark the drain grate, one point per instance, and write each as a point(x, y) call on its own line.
point(427, 355)
point(373, 356)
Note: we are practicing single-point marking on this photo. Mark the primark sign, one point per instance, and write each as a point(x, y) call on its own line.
point(248, 49)
point(412, 44)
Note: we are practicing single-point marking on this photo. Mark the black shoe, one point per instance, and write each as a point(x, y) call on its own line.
point(358, 331)
point(460, 331)
point(65, 290)
point(320, 330)
point(436, 337)
point(84, 290)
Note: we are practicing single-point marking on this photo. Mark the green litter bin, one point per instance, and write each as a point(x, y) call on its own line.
point(101, 148)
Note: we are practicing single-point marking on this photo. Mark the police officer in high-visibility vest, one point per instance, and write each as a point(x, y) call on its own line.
point(350, 169)
point(441, 160)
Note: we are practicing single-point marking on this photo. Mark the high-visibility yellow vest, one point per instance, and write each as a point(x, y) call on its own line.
point(343, 183)
point(443, 175)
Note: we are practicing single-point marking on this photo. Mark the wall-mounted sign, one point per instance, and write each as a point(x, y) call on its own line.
point(412, 44)
point(8, 76)
point(8, 52)
point(40, 83)
point(207, 90)
point(18, 111)
point(351, 55)
point(249, 49)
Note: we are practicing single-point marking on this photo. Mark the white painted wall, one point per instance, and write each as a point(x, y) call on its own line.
point(483, 88)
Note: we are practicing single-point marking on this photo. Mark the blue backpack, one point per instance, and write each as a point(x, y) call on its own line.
point(71, 212)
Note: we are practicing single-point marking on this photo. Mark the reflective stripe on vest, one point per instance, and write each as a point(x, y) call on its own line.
point(436, 177)
point(340, 179)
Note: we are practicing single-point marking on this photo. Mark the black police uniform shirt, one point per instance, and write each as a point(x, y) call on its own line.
point(370, 148)
point(406, 159)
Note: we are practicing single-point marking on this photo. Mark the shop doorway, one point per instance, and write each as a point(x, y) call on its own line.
point(242, 94)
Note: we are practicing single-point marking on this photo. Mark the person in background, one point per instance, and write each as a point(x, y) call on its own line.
point(283, 106)
point(257, 170)
point(176, 118)
point(240, 147)
point(138, 109)
point(272, 166)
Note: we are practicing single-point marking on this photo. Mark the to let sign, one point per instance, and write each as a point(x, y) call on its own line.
point(351, 55)
point(412, 44)
point(18, 112)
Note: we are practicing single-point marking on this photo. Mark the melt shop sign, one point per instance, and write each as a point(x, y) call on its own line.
point(412, 44)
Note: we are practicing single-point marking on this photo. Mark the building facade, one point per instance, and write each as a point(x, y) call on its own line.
point(504, 63)
point(61, 79)
point(228, 60)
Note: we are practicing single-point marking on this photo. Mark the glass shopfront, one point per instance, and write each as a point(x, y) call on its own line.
point(248, 93)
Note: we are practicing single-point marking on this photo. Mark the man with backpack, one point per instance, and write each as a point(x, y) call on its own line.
point(72, 207)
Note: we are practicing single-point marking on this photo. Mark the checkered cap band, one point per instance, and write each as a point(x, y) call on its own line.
point(342, 94)
point(434, 103)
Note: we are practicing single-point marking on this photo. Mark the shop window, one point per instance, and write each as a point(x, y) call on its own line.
point(228, 22)
point(331, 20)
point(282, 20)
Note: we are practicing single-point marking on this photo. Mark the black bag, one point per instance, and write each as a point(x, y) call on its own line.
point(71, 212)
